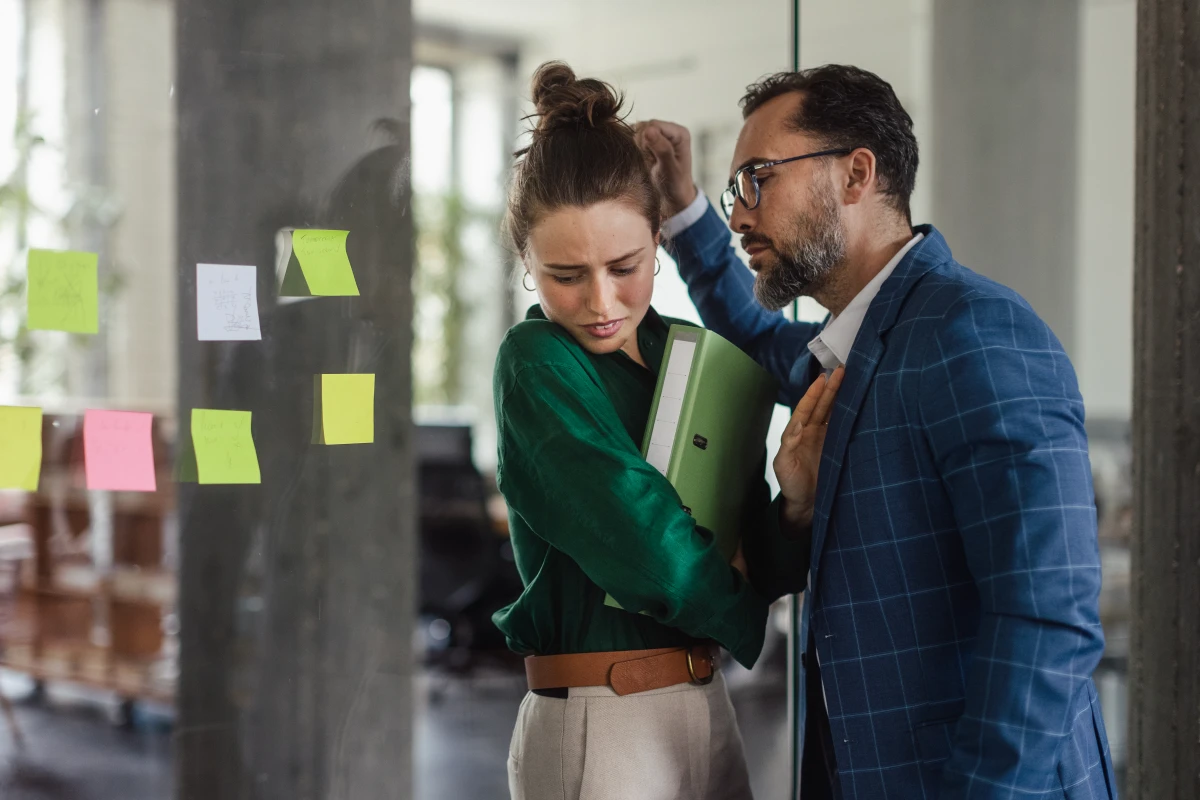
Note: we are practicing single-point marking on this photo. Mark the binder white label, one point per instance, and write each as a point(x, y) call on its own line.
point(670, 404)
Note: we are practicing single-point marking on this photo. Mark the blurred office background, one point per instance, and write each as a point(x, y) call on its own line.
point(159, 133)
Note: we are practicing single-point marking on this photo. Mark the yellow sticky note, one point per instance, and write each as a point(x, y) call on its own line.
point(323, 260)
point(346, 408)
point(224, 446)
point(20, 447)
point(62, 291)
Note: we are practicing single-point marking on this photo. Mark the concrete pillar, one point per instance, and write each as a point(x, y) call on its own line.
point(297, 596)
point(1164, 721)
point(1002, 153)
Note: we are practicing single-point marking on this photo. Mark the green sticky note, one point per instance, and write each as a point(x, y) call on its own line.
point(224, 447)
point(20, 447)
point(324, 265)
point(62, 291)
point(344, 411)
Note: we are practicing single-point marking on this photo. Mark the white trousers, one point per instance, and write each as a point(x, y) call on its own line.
point(677, 743)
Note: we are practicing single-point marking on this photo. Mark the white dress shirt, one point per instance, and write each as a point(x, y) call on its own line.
point(833, 345)
point(686, 218)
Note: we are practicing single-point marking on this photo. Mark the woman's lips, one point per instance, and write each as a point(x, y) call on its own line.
point(604, 330)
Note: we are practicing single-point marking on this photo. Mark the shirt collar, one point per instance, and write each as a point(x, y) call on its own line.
point(833, 344)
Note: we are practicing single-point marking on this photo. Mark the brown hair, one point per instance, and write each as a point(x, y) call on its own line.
point(582, 153)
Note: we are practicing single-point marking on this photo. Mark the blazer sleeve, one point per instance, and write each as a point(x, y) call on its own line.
point(722, 289)
point(1004, 418)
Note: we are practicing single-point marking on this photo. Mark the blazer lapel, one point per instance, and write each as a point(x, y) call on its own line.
point(860, 372)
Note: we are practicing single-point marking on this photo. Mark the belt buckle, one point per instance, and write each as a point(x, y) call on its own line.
point(712, 669)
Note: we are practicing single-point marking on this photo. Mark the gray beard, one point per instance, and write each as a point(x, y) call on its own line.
point(815, 248)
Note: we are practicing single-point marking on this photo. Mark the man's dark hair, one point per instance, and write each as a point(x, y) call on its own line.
point(845, 106)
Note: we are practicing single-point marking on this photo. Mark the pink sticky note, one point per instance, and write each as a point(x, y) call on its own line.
point(117, 451)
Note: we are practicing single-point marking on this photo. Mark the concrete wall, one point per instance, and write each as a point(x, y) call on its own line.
point(1005, 98)
point(297, 597)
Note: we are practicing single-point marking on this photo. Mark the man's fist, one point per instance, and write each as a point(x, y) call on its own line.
point(668, 147)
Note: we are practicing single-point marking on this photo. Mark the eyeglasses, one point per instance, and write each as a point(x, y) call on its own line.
point(744, 186)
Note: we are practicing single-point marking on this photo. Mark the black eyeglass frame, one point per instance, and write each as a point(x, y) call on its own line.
point(731, 192)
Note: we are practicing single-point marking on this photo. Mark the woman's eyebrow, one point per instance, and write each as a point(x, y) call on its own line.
point(626, 257)
point(617, 260)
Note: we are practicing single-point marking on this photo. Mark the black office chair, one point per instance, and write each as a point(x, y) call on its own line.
point(466, 569)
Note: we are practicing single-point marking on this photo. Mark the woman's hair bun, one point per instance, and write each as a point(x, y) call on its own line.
point(564, 101)
point(581, 152)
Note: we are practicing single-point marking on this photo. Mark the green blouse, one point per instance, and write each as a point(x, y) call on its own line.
point(588, 515)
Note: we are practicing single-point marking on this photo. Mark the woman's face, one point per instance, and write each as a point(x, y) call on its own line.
point(594, 272)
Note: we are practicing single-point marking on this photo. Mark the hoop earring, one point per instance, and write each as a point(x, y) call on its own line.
point(657, 266)
point(527, 288)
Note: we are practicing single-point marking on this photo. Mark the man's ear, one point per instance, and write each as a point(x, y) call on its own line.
point(860, 175)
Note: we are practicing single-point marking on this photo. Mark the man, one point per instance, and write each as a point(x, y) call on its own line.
point(951, 617)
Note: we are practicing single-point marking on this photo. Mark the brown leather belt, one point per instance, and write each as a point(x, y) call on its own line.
point(625, 671)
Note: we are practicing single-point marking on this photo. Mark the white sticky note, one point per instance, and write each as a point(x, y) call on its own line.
point(227, 303)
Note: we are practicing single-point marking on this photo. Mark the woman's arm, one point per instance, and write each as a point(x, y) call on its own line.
point(569, 469)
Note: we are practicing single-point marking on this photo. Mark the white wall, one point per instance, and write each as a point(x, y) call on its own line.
point(1104, 211)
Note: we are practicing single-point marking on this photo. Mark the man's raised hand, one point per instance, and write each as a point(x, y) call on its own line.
point(668, 148)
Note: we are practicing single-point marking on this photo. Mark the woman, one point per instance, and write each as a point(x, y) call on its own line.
point(622, 704)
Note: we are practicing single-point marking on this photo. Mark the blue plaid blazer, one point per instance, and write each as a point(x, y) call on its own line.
point(955, 573)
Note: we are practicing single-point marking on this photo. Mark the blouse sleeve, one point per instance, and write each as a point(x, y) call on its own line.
point(568, 467)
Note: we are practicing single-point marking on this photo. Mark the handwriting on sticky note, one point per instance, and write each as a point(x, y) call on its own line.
point(324, 262)
point(227, 303)
point(118, 452)
point(62, 291)
point(348, 408)
point(20, 447)
point(224, 446)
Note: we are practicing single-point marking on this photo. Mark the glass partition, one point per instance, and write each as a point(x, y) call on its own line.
point(252, 286)
point(265, 542)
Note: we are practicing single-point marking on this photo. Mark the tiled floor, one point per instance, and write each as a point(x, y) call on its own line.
point(462, 728)
point(75, 752)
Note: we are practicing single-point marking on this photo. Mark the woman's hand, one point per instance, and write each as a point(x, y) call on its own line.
point(799, 458)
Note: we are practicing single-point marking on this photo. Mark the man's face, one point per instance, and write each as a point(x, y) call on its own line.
point(796, 236)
